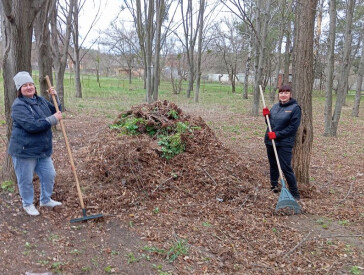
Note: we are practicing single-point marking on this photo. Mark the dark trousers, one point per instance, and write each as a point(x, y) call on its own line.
point(285, 157)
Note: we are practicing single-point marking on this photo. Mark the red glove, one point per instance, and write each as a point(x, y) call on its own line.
point(266, 111)
point(272, 135)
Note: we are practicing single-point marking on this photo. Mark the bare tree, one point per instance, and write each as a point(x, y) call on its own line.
point(359, 81)
point(229, 45)
point(60, 40)
point(303, 85)
point(199, 49)
point(345, 67)
point(42, 39)
point(330, 68)
point(19, 16)
point(123, 44)
point(148, 19)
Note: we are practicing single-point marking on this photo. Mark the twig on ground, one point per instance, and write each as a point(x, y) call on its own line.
point(159, 185)
point(338, 236)
point(209, 176)
point(347, 194)
point(297, 245)
point(262, 266)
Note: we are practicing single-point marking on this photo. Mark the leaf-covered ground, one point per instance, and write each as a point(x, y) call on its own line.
point(208, 210)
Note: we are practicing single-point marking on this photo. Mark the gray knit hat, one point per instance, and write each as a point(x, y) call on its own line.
point(21, 78)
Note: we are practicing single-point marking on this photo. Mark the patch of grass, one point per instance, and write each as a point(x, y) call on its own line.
point(206, 224)
point(344, 222)
point(156, 210)
point(132, 258)
point(7, 186)
point(324, 223)
point(76, 252)
point(115, 252)
point(356, 270)
point(57, 266)
point(178, 249)
point(108, 269)
point(86, 268)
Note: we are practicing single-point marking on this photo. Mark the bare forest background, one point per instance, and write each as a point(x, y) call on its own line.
point(312, 44)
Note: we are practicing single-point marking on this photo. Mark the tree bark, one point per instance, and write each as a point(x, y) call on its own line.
point(359, 81)
point(76, 51)
point(262, 28)
point(199, 50)
point(330, 68)
point(42, 38)
point(60, 52)
point(302, 87)
point(19, 18)
point(345, 68)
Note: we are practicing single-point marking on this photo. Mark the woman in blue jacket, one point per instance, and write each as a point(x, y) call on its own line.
point(285, 118)
point(31, 142)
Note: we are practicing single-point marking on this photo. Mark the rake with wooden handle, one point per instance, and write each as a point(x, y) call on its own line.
point(286, 199)
point(84, 216)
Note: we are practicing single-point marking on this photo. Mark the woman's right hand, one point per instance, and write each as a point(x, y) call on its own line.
point(58, 115)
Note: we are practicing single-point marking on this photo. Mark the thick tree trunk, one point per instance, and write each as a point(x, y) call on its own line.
point(330, 68)
point(302, 87)
point(18, 30)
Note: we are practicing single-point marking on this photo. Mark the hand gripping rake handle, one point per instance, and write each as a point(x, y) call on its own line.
point(273, 142)
point(67, 145)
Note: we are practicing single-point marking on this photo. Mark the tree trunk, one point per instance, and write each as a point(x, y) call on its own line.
point(76, 51)
point(359, 81)
point(278, 69)
point(287, 52)
point(160, 10)
point(345, 68)
point(199, 50)
point(18, 17)
point(302, 87)
point(42, 37)
point(262, 29)
point(330, 69)
point(247, 69)
point(60, 53)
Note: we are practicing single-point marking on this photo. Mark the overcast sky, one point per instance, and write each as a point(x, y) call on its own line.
point(108, 11)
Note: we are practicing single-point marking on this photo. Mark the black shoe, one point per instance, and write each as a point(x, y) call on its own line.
point(275, 189)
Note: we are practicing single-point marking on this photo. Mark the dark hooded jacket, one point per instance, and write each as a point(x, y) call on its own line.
point(285, 120)
point(31, 135)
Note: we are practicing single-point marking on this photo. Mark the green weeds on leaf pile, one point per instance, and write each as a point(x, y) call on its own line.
point(170, 138)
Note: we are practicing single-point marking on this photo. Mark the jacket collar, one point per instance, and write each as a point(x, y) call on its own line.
point(290, 102)
point(30, 101)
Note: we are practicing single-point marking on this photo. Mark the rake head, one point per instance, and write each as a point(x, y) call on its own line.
point(287, 201)
point(86, 218)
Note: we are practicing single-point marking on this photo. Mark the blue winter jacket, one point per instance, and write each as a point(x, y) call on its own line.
point(31, 135)
point(285, 120)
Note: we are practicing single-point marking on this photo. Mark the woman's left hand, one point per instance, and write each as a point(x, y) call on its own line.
point(52, 91)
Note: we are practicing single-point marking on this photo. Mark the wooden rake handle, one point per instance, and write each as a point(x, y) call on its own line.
point(270, 130)
point(67, 145)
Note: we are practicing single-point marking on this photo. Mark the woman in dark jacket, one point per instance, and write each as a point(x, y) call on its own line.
point(285, 118)
point(31, 142)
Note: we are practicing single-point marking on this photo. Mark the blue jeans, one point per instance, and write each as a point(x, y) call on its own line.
point(24, 170)
point(285, 157)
